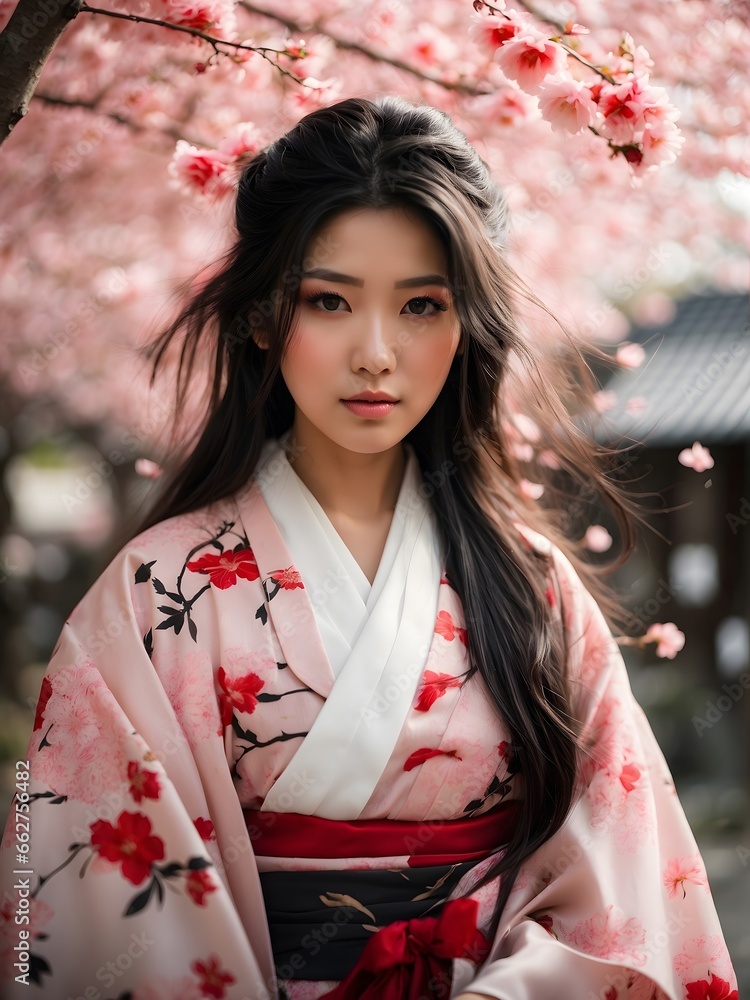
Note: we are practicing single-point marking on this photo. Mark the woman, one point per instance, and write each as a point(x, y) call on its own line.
point(342, 718)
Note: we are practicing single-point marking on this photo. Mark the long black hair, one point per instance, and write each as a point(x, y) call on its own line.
point(379, 154)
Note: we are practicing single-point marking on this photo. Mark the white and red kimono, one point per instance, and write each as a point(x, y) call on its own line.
point(254, 775)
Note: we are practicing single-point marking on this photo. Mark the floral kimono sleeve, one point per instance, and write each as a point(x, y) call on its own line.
point(616, 904)
point(129, 817)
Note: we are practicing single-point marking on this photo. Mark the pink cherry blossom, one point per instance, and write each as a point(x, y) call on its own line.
point(668, 637)
point(567, 104)
point(697, 457)
point(146, 468)
point(628, 107)
point(611, 934)
point(604, 400)
point(636, 405)
point(549, 459)
point(529, 57)
point(242, 138)
point(201, 170)
point(202, 14)
point(660, 144)
point(630, 355)
point(430, 47)
point(597, 538)
point(682, 870)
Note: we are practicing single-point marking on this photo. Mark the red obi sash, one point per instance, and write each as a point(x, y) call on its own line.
point(426, 842)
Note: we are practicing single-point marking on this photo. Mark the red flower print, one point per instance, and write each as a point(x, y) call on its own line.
point(213, 979)
point(130, 842)
point(199, 883)
point(144, 784)
point(629, 777)
point(611, 994)
point(551, 597)
point(224, 569)
point(545, 920)
point(444, 579)
point(446, 627)
point(717, 989)
point(433, 687)
point(237, 692)
point(420, 756)
point(44, 694)
point(205, 828)
point(502, 747)
point(287, 579)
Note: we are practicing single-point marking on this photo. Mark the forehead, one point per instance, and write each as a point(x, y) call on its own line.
point(382, 239)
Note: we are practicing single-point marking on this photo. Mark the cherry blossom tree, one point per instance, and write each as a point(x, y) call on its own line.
point(618, 134)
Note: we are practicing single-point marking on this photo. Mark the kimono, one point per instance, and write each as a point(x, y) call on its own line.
point(253, 775)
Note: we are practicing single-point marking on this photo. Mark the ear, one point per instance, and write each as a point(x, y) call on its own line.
point(461, 344)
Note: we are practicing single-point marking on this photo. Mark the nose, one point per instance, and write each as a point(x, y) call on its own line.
point(376, 347)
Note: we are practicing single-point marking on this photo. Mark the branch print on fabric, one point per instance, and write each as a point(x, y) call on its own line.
point(130, 844)
point(224, 568)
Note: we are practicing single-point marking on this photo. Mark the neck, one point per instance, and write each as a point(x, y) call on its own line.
point(358, 486)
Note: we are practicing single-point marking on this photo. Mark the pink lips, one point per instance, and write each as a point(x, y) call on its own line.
point(370, 410)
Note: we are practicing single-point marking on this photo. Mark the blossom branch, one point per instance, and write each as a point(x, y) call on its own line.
point(298, 28)
point(93, 107)
point(204, 36)
point(562, 28)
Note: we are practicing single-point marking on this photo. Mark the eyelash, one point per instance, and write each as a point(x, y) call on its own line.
point(314, 297)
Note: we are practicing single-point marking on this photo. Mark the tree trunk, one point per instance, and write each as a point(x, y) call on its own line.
point(25, 43)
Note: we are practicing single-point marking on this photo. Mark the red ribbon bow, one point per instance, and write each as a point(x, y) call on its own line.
point(411, 959)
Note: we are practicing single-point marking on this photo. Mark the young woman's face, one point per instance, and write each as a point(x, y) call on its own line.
point(355, 331)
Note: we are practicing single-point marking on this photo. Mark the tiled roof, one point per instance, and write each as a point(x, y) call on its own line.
point(695, 378)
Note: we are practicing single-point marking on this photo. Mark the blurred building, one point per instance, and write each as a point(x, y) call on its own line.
point(694, 567)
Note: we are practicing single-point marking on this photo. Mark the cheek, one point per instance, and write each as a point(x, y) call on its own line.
point(306, 353)
point(433, 357)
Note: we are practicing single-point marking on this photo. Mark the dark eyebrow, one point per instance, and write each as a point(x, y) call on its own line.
point(346, 279)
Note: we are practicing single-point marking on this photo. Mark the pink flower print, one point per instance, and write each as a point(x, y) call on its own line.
point(433, 687)
point(224, 569)
point(239, 693)
point(144, 784)
point(611, 935)
point(425, 753)
point(86, 757)
point(682, 870)
point(629, 777)
point(446, 627)
point(287, 579)
point(700, 955)
point(717, 989)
